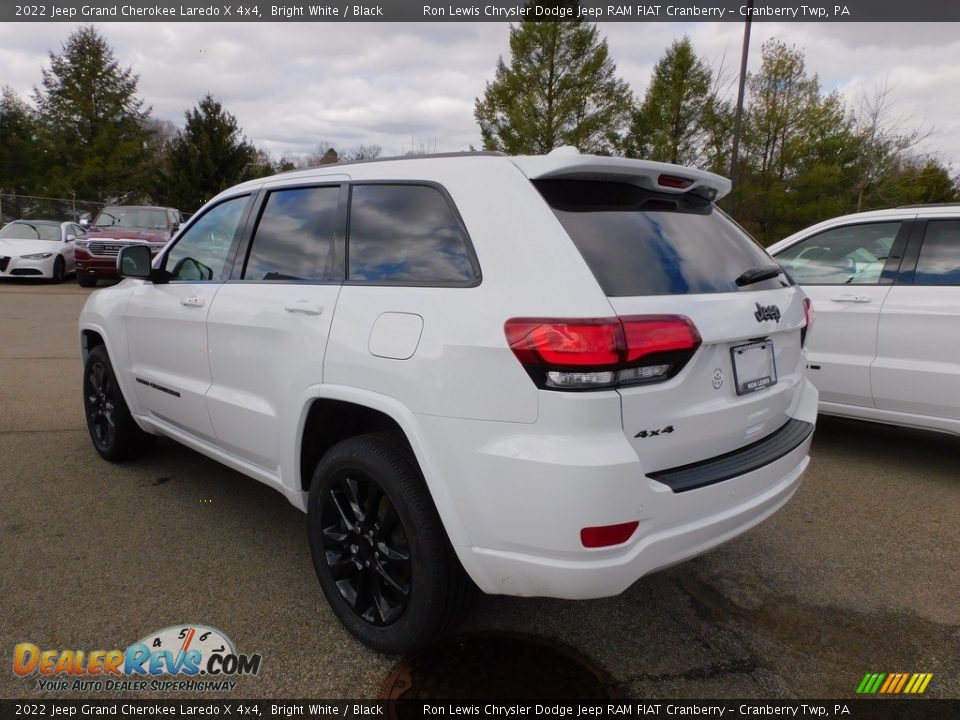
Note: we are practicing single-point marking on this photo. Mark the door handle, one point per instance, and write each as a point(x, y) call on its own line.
point(851, 299)
point(302, 306)
point(193, 301)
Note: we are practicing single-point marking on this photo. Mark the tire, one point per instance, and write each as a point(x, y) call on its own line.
point(112, 429)
point(86, 280)
point(59, 269)
point(379, 548)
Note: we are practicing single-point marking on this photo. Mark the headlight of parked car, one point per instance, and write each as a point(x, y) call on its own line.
point(37, 256)
point(81, 243)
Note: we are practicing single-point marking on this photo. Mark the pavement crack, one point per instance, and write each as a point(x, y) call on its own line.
point(735, 666)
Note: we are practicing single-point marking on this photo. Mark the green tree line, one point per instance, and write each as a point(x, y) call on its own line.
point(806, 154)
point(88, 137)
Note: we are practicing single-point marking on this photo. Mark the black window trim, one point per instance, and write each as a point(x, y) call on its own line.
point(229, 261)
point(911, 258)
point(893, 264)
point(239, 263)
point(473, 282)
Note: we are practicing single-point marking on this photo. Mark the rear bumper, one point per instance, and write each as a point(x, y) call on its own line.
point(524, 493)
point(654, 549)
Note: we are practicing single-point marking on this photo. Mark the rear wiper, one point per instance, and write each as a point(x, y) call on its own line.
point(757, 274)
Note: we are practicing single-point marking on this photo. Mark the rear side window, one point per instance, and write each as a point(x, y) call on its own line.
point(848, 255)
point(640, 242)
point(939, 261)
point(294, 239)
point(407, 234)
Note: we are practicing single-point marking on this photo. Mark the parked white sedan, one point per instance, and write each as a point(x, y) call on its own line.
point(38, 249)
point(886, 289)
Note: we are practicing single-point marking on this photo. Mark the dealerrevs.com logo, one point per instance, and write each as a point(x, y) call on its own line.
point(185, 658)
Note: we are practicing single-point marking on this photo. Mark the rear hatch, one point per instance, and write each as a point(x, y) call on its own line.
point(658, 246)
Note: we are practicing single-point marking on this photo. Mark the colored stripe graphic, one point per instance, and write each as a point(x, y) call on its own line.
point(903, 680)
point(894, 683)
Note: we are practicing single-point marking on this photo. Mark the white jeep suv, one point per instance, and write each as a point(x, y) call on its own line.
point(539, 375)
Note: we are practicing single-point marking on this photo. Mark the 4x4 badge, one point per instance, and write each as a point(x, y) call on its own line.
point(767, 312)
point(653, 433)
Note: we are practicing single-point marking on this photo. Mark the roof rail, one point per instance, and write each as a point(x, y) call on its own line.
point(929, 205)
point(393, 158)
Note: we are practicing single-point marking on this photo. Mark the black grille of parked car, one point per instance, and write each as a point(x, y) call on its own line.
point(4, 261)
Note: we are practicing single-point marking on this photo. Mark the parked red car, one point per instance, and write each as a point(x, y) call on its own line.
point(117, 226)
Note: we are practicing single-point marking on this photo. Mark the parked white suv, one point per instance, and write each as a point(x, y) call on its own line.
point(556, 373)
point(886, 289)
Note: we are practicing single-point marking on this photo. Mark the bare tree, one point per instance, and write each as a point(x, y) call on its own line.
point(886, 134)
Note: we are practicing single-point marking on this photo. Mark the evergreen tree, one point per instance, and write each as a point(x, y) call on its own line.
point(670, 124)
point(93, 124)
point(208, 156)
point(19, 153)
point(560, 88)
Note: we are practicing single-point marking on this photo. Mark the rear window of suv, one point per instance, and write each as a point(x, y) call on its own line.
point(640, 242)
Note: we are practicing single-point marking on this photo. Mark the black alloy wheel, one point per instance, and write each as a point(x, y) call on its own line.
point(114, 432)
point(366, 548)
point(59, 269)
point(98, 391)
point(379, 548)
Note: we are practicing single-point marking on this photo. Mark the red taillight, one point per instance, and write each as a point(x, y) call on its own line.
point(565, 343)
point(809, 317)
point(598, 353)
point(674, 181)
point(658, 334)
point(607, 535)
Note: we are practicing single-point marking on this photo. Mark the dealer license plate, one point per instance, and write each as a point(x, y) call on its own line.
point(754, 367)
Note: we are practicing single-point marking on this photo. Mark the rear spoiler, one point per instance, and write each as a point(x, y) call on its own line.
point(567, 163)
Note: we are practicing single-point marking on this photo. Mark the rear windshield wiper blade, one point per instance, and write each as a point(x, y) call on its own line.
point(757, 274)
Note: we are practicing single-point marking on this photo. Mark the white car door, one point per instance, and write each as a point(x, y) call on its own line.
point(268, 328)
point(917, 369)
point(166, 322)
point(842, 271)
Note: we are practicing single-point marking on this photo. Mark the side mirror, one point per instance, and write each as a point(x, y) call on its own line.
point(70, 238)
point(134, 261)
point(85, 221)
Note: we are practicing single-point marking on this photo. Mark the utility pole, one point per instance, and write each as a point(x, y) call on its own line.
point(735, 153)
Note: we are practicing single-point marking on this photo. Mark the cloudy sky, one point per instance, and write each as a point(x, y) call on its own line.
point(410, 86)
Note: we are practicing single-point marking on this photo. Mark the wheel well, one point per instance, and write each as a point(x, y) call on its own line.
point(329, 422)
point(89, 339)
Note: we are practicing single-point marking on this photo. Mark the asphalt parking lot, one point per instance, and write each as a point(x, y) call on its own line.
point(860, 573)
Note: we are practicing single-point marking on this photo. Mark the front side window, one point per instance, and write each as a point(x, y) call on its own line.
point(939, 261)
point(849, 255)
point(201, 252)
point(406, 234)
point(295, 236)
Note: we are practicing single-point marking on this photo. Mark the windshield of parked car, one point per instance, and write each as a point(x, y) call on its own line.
point(20, 230)
point(131, 217)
